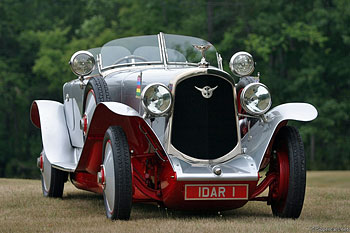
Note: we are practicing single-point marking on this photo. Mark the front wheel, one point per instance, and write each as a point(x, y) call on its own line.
point(288, 163)
point(116, 167)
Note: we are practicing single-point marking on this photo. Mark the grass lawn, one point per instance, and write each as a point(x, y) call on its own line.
point(24, 209)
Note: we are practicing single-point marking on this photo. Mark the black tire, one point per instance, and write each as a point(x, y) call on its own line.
point(290, 204)
point(52, 180)
point(122, 197)
point(100, 88)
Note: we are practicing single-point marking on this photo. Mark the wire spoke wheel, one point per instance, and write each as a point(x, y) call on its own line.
point(288, 162)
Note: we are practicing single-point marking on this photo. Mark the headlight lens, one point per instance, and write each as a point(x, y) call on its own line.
point(256, 99)
point(156, 99)
point(82, 63)
point(242, 64)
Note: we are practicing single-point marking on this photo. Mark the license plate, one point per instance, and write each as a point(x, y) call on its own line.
point(216, 191)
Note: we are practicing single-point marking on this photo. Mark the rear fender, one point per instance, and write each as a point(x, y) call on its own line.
point(49, 117)
point(140, 136)
point(256, 142)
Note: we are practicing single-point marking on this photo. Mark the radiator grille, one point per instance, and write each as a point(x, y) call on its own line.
point(204, 128)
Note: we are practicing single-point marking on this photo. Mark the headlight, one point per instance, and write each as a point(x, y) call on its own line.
point(256, 99)
point(156, 99)
point(82, 63)
point(242, 64)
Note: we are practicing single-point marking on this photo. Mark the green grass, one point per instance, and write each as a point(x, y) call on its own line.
point(24, 209)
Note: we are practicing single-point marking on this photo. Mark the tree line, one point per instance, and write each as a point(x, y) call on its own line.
point(301, 49)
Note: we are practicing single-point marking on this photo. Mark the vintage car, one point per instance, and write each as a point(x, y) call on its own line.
point(156, 119)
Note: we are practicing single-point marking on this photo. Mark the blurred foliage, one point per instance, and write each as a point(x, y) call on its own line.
point(301, 49)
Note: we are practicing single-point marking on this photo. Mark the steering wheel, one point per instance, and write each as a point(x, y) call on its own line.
point(130, 57)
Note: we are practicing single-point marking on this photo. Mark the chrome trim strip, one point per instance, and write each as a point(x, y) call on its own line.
point(163, 48)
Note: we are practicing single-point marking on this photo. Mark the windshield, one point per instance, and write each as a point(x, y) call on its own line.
point(180, 50)
point(146, 50)
point(139, 49)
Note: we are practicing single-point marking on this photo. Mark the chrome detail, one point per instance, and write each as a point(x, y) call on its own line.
point(206, 91)
point(219, 58)
point(84, 66)
point(235, 169)
point(202, 48)
point(242, 64)
point(146, 101)
point(161, 41)
point(171, 149)
point(150, 143)
point(256, 99)
point(67, 97)
point(217, 170)
point(38, 162)
point(101, 177)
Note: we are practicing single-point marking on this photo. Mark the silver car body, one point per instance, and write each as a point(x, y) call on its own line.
point(61, 122)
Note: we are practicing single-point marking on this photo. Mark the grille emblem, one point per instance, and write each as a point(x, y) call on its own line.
point(206, 91)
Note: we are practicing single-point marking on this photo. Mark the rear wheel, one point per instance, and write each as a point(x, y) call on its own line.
point(52, 179)
point(117, 192)
point(288, 162)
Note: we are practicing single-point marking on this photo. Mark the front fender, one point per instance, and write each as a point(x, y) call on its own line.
point(49, 117)
point(139, 134)
point(258, 139)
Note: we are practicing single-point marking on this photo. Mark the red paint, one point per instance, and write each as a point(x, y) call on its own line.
point(85, 124)
point(280, 165)
point(153, 178)
point(41, 162)
point(86, 181)
point(271, 177)
point(174, 196)
point(34, 115)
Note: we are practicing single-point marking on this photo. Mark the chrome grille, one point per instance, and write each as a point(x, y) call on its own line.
point(204, 128)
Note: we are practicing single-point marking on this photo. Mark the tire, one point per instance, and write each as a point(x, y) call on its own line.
point(52, 179)
point(96, 91)
point(243, 82)
point(288, 161)
point(117, 192)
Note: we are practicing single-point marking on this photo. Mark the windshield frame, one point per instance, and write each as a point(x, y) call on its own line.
point(164, 57)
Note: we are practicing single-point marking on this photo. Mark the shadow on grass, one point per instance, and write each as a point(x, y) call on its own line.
point(151, 210)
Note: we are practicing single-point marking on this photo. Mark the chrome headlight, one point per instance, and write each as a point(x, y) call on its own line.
point(256, 99)
point(242, 64)
point(82, 63)
point(156, 99)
